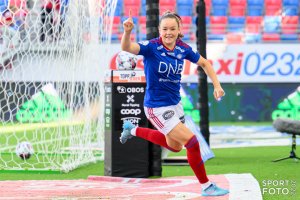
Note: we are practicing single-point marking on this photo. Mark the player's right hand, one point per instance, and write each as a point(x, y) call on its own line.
point(128, 24)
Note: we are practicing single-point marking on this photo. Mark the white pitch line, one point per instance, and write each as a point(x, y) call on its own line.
point(243, 187)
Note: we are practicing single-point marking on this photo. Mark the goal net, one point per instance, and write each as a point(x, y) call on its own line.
point(53, 54)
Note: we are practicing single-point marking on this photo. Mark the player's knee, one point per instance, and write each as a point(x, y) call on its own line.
point(175, 149)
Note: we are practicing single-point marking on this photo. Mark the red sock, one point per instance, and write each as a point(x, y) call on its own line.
point(153, 136)
point(195, 160)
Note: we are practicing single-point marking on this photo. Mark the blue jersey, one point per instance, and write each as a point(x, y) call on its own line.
point(163, 68)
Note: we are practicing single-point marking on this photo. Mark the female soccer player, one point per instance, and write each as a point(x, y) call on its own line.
point(163, 61)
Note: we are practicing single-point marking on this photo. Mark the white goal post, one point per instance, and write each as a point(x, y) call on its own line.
point(51, 81)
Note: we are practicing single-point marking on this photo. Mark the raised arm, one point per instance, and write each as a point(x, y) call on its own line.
point(126, 43)
point(209, 70)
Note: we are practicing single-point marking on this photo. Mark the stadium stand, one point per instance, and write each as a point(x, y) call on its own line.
point(227, 20)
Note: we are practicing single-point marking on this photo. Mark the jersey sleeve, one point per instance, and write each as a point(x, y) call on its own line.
point(144, 47)
point(192, 55)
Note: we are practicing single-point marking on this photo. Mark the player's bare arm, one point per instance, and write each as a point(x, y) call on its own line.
point(207, 67)
point(126, 43)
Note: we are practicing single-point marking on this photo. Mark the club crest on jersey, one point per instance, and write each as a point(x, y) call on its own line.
point(145, 43)
point(168, 114)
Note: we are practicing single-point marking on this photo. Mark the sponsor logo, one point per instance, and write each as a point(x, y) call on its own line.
point(163, 54)
point(130, 98)
point(122, 89)
point(133, 120)
point(168, 68)
point(179, 56)
point(168, 114)
point(131, 111)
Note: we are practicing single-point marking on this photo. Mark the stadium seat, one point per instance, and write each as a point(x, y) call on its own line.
point(270, 37)
point(272, 24)
point(219, 7)
point(116, 26)
point(143, 8)
point(290, 7)
point(289, 24)
point(185, 7)
point(236, 24)
point(253, 24)
point(119, 8)
point(289, 37)
point(237, 7)
point(218, 24)
point(186, 28)
point(255, 7)
point(271, 28)
point(142, 28)
point(233, 38)
point(132, 5)
point(253, 29)
point(166, 5)
point(272, 7)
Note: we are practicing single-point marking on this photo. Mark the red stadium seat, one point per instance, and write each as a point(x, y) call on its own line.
point(142, 24)
point(289, 24)
point(218, 24)
point(253, 24)
point(271, 37)
point(237, 7)
point(273, 7)
point(132, 5)
point(167, 5)
point(234, 38)
point(116, 24)
point(186, 24)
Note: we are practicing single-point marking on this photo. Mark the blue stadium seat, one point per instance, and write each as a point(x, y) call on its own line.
point(219, 7)
point(185, 7)
point(289, 37)
point(236, 24)
point(290, 7)
point(3, 5)
point(119, 8)
point(255, 7)
point(143, 8)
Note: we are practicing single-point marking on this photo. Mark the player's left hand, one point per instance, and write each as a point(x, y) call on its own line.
point(218, 93)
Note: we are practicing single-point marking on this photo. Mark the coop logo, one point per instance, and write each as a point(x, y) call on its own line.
point(131, 111)
point(133, 120)
point(122, 89)
point(279, 187)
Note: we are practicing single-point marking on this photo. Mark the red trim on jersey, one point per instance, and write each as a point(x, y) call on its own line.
point(160, 39)
point(154, 118)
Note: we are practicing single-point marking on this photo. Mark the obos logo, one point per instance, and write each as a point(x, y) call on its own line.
point(133, 120)
point(131, 111)
point(122, 89)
